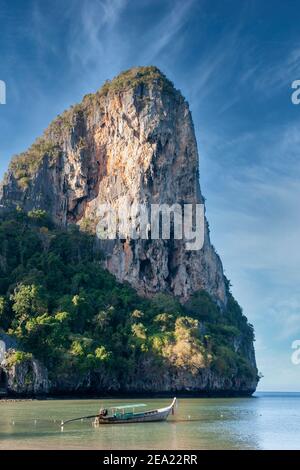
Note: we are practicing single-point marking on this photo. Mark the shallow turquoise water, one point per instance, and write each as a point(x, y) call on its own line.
point(267, 421)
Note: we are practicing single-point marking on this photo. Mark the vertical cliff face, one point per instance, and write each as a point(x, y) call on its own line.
point(135, 139)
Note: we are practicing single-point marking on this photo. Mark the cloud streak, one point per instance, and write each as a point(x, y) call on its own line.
point(167, 31)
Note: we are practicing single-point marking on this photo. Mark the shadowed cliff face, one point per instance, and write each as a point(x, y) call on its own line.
point(133, 138)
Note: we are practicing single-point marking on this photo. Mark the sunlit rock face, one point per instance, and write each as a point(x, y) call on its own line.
point(133, 138)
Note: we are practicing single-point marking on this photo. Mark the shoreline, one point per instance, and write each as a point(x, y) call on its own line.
point(128, 396)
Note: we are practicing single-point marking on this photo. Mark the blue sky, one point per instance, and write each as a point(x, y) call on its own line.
point(234, 61)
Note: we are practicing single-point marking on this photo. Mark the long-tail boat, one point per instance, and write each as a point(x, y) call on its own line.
point(126, 414)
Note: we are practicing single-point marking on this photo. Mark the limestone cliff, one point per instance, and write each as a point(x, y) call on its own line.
point(134, 137)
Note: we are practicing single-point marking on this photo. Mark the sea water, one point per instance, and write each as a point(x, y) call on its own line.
point(265, 421)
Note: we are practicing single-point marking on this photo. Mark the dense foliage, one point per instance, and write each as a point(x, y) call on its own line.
point(66, 310)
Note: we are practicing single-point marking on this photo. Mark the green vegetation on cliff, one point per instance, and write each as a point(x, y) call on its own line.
point(73, 315)
point(137, 76)
point(23, 166)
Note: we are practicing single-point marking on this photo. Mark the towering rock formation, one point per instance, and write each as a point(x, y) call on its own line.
point(133, 138)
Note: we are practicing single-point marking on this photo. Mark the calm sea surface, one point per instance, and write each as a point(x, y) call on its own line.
point(266, 421)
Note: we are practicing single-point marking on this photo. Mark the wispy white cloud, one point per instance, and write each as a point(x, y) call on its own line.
point(214, 64)
point(166, 31)
point(271, 76)
point(226, 61)
point(286, 314)
point(94, 35)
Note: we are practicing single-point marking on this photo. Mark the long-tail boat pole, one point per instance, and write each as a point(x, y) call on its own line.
point(77, 419)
